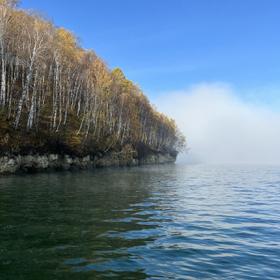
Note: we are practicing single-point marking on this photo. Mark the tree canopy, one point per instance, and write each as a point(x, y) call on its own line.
point(50, 86)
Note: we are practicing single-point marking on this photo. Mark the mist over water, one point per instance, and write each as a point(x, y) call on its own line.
point(222, 128)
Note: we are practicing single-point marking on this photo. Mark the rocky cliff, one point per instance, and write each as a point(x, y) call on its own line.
point(10, 164)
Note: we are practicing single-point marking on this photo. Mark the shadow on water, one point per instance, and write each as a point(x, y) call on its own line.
point(62, 223)
point(168, 222)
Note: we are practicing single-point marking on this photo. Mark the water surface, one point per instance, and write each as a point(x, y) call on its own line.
point(156, 222)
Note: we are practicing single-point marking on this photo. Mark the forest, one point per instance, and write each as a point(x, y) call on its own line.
point(57, 96)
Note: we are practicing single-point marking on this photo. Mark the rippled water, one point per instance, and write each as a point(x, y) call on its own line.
point(160, 222)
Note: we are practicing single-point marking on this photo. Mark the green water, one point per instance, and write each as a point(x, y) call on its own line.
point(159, 222)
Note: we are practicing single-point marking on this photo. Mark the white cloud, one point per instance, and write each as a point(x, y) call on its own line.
point(221, 128)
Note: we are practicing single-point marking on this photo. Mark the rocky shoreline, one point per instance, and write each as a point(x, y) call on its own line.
point(10, 164)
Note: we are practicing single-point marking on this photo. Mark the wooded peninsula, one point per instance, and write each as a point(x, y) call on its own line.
point(60, 100)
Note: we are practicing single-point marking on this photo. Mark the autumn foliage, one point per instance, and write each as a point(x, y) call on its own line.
point(53, 93)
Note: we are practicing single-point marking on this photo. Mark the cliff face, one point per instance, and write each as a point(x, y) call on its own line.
point(10, 164)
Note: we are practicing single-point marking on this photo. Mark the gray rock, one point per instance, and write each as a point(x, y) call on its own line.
point(8, 165)
point(13, 163)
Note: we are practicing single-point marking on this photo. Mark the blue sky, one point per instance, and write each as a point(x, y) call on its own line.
point(212, 65)
point(168, 45)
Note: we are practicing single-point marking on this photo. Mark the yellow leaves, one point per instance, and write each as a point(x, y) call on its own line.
point(67, 43)
point(9, 3)
point(38, 25)
point(65, 37)
point(79, 90)
point(41, 28)
point(102, 74)
point(118, 75)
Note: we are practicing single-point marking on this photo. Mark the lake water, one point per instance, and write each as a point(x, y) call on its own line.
point(155, 222)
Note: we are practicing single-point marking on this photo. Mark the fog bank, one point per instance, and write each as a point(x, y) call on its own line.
point(221, 128)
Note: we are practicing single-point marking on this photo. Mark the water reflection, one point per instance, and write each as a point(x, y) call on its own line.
point(169, 222)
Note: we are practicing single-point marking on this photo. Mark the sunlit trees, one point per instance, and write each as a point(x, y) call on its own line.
point(6, 20)
point(49, 83)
